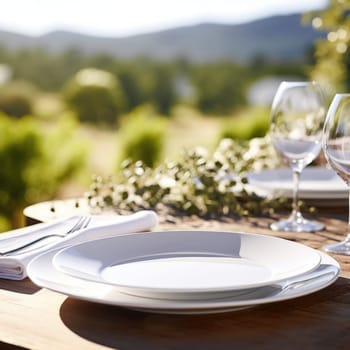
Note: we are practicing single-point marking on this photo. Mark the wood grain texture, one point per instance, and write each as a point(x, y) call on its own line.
point(36, 318)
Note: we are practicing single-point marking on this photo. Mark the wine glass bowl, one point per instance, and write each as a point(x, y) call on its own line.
point(297, 117)
point(336, 148)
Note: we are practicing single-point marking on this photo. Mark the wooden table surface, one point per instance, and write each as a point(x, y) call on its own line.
point(35, 318)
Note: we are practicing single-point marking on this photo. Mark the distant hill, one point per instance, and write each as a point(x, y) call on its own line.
point(275, 38)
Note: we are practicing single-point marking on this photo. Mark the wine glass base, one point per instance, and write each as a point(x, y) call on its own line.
point(338, 248)
point(301, 225)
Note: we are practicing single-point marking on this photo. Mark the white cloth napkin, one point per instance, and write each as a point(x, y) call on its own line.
point(101, 226)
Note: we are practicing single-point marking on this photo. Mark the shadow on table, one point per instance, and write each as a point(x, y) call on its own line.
point(311, 322)
point(6, 346)
point(25, 286)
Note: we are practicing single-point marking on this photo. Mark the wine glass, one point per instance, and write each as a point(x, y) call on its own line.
point(297, 118)
point(336, 148)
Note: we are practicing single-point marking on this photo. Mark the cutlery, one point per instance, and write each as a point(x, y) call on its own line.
point(322, 272)
point(82, 222)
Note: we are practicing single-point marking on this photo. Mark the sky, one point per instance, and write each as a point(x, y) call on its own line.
point(128, 17)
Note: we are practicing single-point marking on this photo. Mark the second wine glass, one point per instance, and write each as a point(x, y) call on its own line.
point(297, 118)
point(336, 148)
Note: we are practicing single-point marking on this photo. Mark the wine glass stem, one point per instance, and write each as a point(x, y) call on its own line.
point(296, 215)
point(347, 240)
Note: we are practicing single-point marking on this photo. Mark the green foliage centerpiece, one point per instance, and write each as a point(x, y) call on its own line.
point(199, 183)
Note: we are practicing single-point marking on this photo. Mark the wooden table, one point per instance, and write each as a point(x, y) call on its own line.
point(36, 318)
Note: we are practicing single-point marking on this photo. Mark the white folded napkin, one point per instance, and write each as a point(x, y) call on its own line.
point(101, 226)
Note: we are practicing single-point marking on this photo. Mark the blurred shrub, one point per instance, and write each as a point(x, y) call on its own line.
point(34, 162)
point(95, 95)
point(251, 123)
point(142, 137)
point(63, 157)
point(17, 98)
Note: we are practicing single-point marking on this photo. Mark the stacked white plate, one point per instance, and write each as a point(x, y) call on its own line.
point(185, 271)
point(318, 185)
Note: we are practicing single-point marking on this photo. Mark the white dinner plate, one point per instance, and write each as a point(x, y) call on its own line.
point(315, 183)
point(42, 272)
point(187, 264)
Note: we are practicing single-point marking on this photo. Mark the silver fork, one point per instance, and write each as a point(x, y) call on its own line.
point(83, 222)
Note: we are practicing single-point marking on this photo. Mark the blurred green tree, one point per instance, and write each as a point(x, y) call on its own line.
point(220, 86)
point(332, 60)
point(17, 98)
point(95, 96)
point(136, 80)
point(148, 82)
point(163, 91)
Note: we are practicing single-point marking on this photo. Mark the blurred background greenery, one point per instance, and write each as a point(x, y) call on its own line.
point(69, 115)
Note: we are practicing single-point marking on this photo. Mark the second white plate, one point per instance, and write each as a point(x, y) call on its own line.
point(187, 264)
point(315, 183)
